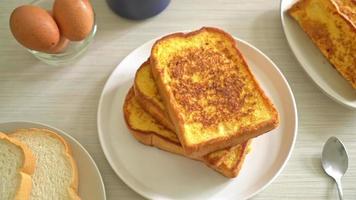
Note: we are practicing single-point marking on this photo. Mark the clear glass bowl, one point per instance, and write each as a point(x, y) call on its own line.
point(72, 52)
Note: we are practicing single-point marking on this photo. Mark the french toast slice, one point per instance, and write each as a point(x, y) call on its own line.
point(148, 96)
point(150, 132)
point(331, 25)
point(211, 95)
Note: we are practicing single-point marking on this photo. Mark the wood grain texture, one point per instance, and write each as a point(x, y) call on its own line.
point(67, 96)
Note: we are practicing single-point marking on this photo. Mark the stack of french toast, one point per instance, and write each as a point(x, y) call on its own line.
point(196, 96)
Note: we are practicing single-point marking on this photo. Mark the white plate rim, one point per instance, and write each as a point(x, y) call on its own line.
point(295, 110)
point(345, 104)
point(61, 132)
point(145, 193)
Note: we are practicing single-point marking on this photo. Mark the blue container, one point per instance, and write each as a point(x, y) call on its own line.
point(138, 9)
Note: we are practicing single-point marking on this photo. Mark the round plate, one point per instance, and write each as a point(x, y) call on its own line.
point(156, 174)
point(91, 185)
point(314, 63)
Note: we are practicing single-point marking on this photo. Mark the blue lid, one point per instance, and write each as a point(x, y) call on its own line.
point(138, 9)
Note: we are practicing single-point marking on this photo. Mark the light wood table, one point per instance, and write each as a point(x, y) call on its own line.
point(67, 96)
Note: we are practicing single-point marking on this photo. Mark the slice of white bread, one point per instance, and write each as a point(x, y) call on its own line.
point(56, 175)
point(17, 164)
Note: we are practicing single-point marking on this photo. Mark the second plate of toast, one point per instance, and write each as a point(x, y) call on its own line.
point(310, 57)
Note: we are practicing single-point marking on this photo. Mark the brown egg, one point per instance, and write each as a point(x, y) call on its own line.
point(34, 28)
point(62, 44)
point(60, 47)
point(75, 18)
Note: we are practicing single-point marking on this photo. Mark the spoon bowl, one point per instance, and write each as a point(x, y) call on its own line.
point(335, 161)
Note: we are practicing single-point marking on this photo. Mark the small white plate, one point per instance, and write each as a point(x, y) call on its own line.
point(156, 174)
point(314, 63)
point(91, 185)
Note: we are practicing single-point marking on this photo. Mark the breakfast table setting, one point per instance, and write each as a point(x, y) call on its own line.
point(109, 89)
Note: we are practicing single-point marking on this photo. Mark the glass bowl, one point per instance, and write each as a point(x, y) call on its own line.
point(72, 52)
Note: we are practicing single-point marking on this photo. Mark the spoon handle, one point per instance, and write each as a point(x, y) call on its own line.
point(339, 188)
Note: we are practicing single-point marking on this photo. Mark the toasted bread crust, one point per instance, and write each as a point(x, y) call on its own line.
point(153, 139)
point(157, 141)
point(27, 169)
point(224, 169)
point(149, 106)
point(348, 16)
point(205, 147)
point(155, 111)
point(149, 138)
point(153, 108)
point(166, 145)
point(73, 189)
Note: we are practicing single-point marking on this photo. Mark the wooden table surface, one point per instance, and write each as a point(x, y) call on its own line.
point(67, 97)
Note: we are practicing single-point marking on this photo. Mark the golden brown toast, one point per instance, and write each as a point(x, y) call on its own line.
point(148, 96)
point(211, 95)
point(331, 24)
point(148, 131)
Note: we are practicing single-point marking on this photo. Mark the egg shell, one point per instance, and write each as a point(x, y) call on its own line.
point(62, 44)
point(34, 28)
point(75, 18)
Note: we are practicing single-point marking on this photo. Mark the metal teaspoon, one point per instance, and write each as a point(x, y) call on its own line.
point(334, 160)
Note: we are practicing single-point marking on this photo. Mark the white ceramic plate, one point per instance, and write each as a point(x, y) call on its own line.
point(313, 61)
point(91, 185)
point(156, 174)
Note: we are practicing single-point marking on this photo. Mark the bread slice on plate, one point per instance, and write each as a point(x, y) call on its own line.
point(149, 131)
point(148, 96)
point(211, 96)
point(333, 31)
point(55, 176)
point(17, 164)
